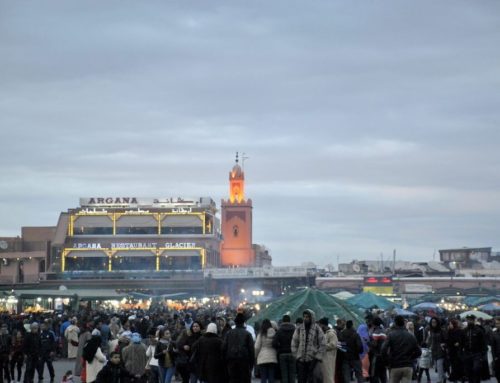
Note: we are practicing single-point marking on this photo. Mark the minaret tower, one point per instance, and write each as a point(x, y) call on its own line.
point(236, 248)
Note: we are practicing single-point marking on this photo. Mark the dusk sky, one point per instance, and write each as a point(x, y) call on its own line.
point(369, 126)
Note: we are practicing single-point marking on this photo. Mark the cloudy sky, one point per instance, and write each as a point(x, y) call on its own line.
point(369, 126)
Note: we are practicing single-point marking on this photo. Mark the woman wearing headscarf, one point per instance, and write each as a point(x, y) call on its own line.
point(71, 334)
point(93, 356)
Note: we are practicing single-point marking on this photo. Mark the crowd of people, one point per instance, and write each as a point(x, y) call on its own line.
point(219, 346)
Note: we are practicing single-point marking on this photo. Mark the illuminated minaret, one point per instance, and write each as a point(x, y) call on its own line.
point(236, 248)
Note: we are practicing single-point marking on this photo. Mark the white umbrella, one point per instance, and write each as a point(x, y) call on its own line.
point(477, 314)
point(343, 295)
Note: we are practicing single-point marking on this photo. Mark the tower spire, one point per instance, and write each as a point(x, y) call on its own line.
point(237, 157)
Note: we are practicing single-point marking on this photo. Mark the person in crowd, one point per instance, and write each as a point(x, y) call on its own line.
point(424, 363)
point(17, 356)
point(32, 350)
point(282, 342)
point(103, 327)
point(152, 368)
point(378, 372)
point(48, 351)
point(165, 354)
point(239, 353)
point(410, 326)
point(267, 359)
point(364, 334)
point(330, 356)
point(115, 328)
point(353, 348)
point(495, 348)
point(113, 371)
point(67, 377)
point(123, 341)
point(454, 347)
point(210, 359)
point(71, 334)
point(473, 349)
point(436, 340)
point(85, 334)
point(183, 354)
point(185, 342)
point(400, 349)
point(93, 356)
point(135, 359)
point(62, 331)
point(222, 326)
point(308, 346)
point(5, 349)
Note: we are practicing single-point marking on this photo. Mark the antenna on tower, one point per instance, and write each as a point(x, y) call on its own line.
point(243, 158)
point(236, 157)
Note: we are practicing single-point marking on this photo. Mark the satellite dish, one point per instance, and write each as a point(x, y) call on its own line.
point(356, 268)
point(4, 245)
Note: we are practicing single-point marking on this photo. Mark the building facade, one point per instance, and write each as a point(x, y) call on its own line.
point(136, 235)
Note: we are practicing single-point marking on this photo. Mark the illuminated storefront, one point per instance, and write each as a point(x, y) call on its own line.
point(136, 234)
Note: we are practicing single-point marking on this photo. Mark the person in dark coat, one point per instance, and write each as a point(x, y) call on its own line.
point(239, 352)
point(454, 345)
point(474, 348)
point(282, 342)
point(113, 371)
point(5, 348)
point(48, 351)
point(209, 358)
point(164, 352)
point(32, 349)
point(353, 347)
point(437, 343)
point(400, 349)
point(495, 348)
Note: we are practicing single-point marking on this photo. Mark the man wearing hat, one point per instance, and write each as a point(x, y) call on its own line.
point(238, 350)
point(474, 349)
point(330, 356)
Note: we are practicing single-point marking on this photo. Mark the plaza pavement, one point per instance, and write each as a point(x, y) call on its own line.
point(63, 365)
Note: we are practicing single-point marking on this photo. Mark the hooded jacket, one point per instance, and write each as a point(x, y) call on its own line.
point(308, 342)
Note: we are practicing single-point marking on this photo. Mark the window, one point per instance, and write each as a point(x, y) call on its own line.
point(235, 231)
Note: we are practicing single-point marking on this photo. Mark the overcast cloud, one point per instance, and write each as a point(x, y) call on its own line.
point(370, 126)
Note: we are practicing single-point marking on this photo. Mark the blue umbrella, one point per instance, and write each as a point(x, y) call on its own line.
point(404, 313)
point(425, 306)
point(489, 307)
